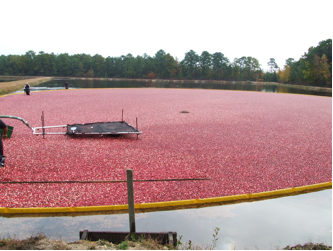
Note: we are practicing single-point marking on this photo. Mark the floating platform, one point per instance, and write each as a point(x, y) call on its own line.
point(97, 128)
point(116, 127)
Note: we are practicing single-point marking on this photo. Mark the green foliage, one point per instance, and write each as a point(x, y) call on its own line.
point(123, 245)
point(90, 73)
point(314, 67)
point(220, 65)
point(189, 245)
point(190, 64)
point(245, 68)
point(179, 242)
point(215, 239)
point(272, 64)
point(309, 246)
point(205, 62)
point(270, 77)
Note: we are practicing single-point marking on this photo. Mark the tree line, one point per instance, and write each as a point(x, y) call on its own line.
point(314, 68)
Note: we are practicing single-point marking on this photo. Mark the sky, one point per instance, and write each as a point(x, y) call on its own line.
point(262, 29)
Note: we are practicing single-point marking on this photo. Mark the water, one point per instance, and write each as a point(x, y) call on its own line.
point(248, 86)
point(267, 224)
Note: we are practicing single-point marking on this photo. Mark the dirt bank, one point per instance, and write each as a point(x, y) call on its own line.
point(41, 242)
point(8, 87)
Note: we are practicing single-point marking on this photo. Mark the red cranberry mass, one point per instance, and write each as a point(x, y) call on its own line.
point(243, 142)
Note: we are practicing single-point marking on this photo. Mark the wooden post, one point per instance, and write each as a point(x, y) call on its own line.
point(130, 194)
point(137, 135)
point(84, 235)
point(43, 129)
point(170, 237)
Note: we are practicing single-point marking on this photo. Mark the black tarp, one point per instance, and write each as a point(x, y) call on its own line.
point(117, 127)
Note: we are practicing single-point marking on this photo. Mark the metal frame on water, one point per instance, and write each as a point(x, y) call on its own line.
point(43, 127)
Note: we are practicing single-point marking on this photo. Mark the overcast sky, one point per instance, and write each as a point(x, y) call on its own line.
point(262, 29)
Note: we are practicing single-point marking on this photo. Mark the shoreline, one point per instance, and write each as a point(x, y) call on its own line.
point(12, 86)
point(305, 87)
point(41, 242)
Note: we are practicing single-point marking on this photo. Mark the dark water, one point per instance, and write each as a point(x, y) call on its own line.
point(59, 84)
point(267, 224)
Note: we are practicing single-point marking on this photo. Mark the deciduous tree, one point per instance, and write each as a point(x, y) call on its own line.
point(326, 70)
point(205, 62)
point(272, 64)
point(220, 63)
point(190, 63)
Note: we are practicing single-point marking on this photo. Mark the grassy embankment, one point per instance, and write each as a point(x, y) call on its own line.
point(8, 87)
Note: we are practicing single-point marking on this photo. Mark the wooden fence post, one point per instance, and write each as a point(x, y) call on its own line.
point(43, 129)
point(130, 194)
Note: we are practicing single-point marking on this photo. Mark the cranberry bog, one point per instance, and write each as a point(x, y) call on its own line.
point(195, 144)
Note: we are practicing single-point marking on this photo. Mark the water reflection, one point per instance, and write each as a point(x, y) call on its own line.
point(240, 86)
point(263, 224)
